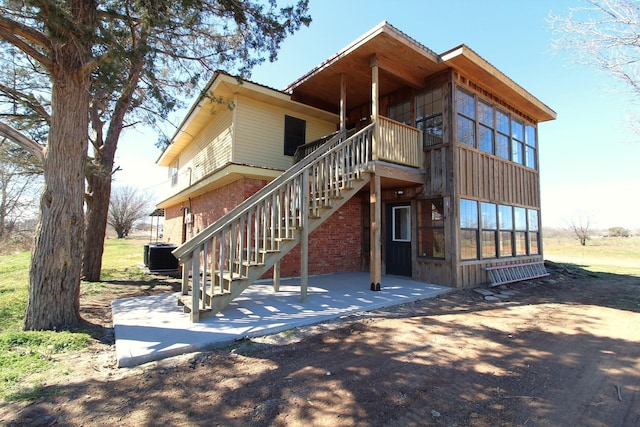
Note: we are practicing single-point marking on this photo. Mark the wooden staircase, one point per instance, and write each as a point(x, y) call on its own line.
point(232, 253)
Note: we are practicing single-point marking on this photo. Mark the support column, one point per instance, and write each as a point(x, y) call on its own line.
point(343, 103)
point(375, 251)
point(276, 276)
point(374, 106)
point(304, 238)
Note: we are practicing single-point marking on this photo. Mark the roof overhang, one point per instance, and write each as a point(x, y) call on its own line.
point(472, 65)
point(402, 62)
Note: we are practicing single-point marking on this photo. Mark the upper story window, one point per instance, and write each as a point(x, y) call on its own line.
point(294, 134)
point(429, 116)
point(486, 127)
point(401, 112)
point(173, 171)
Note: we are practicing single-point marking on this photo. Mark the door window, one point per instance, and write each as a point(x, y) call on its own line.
point(401, 223)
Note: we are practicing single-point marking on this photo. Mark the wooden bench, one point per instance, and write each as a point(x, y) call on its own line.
point(501, 274)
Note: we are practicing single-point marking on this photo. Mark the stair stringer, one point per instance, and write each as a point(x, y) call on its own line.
point(255, 272)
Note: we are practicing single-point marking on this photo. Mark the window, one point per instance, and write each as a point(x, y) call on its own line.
point(401, 223)
point(481, 125)
point(520, 226)
point(530, 146)
point(431, 242)
point(429, 116)
point(469, 229)
point(505, 221)
point(488, 230)
point(534, 232)
point(489, 234)
point(517, 141)
point(401, 112)
point(485, 128)
point(174, 173)
point(294, 134)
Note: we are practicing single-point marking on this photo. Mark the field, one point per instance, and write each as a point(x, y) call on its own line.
point(560, 351)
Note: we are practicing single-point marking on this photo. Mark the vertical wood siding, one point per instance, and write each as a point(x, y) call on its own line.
point(484, 177)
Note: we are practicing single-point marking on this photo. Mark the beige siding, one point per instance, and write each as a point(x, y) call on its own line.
point(259, 138)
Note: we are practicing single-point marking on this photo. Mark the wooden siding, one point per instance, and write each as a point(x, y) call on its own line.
point(209, 150)
point(259, 138)
point(436, 272)
point(485, 177)
point(435, 165)
point(473, 273)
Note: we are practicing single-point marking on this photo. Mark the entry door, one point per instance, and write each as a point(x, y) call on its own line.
point(398, 253)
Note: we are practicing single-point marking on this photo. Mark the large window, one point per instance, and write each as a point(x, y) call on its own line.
point(294, 134)
point(431, 242)
point(468, 229)
point(501, 231)
point(482, 125)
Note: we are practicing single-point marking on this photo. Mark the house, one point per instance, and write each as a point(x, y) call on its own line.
point(387, 158)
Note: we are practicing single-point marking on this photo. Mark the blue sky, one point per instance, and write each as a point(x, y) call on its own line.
point(589, 159)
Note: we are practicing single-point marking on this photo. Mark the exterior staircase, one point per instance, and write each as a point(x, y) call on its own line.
point(233, 252)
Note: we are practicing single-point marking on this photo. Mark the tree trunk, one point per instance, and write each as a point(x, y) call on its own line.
point(56, 262)
point(99, 186)
point(54, 278)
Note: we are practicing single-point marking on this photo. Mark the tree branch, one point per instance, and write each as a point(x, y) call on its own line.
point(19, 34)
point(22, 140)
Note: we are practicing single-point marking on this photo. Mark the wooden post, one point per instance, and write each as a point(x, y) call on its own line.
point(304, 238)
point(276, 276)
point(343, 103)
point(375, 208)
point(374, 106)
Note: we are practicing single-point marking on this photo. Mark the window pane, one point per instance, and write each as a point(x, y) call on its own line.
point(520, 217)
point(530, 136)
point(506, 243)
point(485, 113)
point(488, 244)
point(489, 216)
point(533, 220)
point(517, 130)
point(534, 246)
point(401, 112)
point(465, 103)
point(531, 157)
point(502, 146)
point(485, 139)
point(506, 217)
point(468, 244)
point(431, 130)
point(401, 224)
point(468, 214)
point(429, 103)
point(502, 122)
point(521, 243)
point(466, 131)
point(517, 154)
point(431, 243)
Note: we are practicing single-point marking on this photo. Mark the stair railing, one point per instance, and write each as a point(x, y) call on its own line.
point(243, 238)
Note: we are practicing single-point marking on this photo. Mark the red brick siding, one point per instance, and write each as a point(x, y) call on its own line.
point(335, 246)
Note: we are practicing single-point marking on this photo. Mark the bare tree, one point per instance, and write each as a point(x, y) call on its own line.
point(126, 208)
point(104, 60)
point(20, 173)
point(604, 34)
point(581, 227)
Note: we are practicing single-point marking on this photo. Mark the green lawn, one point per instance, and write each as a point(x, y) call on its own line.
point(618, 255)
point(23, 354)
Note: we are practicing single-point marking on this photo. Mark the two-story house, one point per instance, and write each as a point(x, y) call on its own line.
point(387, 158)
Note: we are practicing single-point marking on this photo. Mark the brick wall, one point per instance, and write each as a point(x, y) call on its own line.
point(334, 247)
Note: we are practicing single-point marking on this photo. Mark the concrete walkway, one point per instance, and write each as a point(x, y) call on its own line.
point(152, 328)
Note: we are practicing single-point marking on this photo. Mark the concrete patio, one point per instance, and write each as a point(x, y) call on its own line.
point(155, 327)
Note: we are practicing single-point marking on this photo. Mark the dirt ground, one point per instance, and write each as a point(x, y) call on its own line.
point(562, 351)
